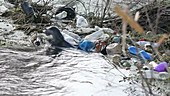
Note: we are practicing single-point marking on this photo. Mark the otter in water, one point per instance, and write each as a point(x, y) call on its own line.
point(57, 41)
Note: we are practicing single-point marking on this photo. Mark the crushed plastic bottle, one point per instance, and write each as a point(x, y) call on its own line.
point(94, 36)
point(144, 55)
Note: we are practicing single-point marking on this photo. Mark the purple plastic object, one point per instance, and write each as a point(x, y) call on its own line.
point(162, 67)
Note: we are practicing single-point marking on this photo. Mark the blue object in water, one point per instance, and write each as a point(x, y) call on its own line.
point(86, 45)
point(27, 8)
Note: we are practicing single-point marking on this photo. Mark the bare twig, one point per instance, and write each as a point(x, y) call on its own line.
point(104, 12)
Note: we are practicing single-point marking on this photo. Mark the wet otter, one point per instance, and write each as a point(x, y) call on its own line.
point(57, 41)
point(27, 8)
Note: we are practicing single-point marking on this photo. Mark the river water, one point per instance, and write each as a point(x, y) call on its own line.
point(70, 73)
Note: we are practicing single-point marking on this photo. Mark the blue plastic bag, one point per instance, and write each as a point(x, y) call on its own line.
point(86, 45)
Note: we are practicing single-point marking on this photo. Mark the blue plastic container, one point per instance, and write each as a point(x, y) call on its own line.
point(132, 50)
point(145, 55)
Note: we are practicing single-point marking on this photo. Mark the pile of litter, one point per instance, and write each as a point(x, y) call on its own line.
point(141, 57)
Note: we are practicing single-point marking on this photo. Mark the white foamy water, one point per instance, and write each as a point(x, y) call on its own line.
point(73, 73)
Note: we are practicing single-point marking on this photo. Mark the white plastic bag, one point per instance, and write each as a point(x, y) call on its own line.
point(81, 22)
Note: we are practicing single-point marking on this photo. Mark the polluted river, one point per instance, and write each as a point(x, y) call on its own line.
point(73, 72)
point(51, 55)
point(27, 72)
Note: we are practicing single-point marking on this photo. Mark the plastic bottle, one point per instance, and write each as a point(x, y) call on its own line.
point(94, 36)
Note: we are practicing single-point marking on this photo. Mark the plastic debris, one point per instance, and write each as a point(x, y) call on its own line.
point(146, 55)
point(86, 45)
point(161, 67)
point(114, 48)
point(61, 15)
point(145, 43)
point(133, 50)
point(153, 64)
point(143, 54)
point(156, 75)
point(81, 21)
point(70, 12)
point(150, 74)
point(94, 36)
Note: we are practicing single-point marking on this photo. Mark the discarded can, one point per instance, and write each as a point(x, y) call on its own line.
point(100, 46)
